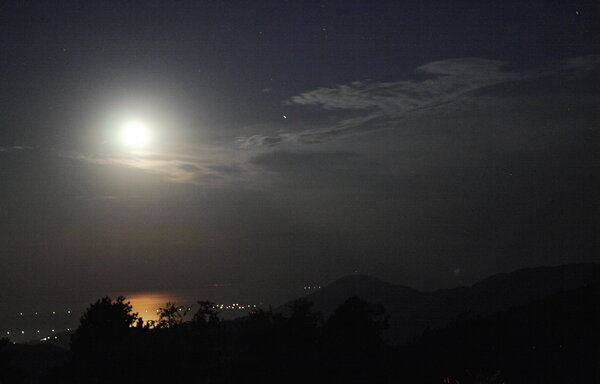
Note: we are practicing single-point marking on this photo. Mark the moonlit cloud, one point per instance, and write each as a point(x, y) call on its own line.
point(259, 140)
point(102, 198)
point(15, 148)
point(286, 145)
point(187, 165)
point(450, 79)
point(438, 87)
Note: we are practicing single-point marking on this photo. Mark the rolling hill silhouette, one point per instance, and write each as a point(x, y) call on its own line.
point(519, 324)
point(555, 339)
point(413, 311)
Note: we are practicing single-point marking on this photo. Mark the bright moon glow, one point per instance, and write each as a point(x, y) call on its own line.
point(135, 134)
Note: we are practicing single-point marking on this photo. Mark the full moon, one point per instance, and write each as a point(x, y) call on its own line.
point(135, 134)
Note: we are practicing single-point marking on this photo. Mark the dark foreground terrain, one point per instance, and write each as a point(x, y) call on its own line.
point(549, 339)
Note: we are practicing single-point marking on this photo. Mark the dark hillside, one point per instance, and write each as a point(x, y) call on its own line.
point(413, 311)
point(551, 340)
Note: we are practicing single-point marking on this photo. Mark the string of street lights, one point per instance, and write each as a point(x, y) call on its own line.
point(36, 332)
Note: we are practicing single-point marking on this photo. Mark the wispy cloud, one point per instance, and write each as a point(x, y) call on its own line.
point(451, 79)
point(438, 86)
point(15, 148)
point(186, 166)
point(101, 198)
point(260, 140)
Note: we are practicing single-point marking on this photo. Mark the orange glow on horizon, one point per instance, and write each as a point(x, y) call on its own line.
point(147, 303)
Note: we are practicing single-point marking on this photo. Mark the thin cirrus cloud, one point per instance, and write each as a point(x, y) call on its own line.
point(172, 167)
point(443, 86)
point(455, 85)
point(15, 148)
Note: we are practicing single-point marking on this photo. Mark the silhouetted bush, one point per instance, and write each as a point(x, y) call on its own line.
point(102, 346)
point(170, 316)
point(294, 345)
point(357, 326)
point(555, 340)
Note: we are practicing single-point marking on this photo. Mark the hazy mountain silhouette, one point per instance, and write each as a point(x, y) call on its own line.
point(518, 325)
point(555, 339)
point(413, 311)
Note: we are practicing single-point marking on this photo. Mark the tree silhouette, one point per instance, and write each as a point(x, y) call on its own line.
point(301, 328)
point(171, 316)
point(100, 344)
point(206, 314)
point(301, 314)
point(357, 325)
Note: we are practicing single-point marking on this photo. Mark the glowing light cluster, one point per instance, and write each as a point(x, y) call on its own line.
point(41, 326)
point(310, 287)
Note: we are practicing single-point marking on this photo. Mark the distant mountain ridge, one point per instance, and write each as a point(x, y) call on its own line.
point(412, 311)
point(554, 339)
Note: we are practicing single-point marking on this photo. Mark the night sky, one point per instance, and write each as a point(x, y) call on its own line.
point(284, 143)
